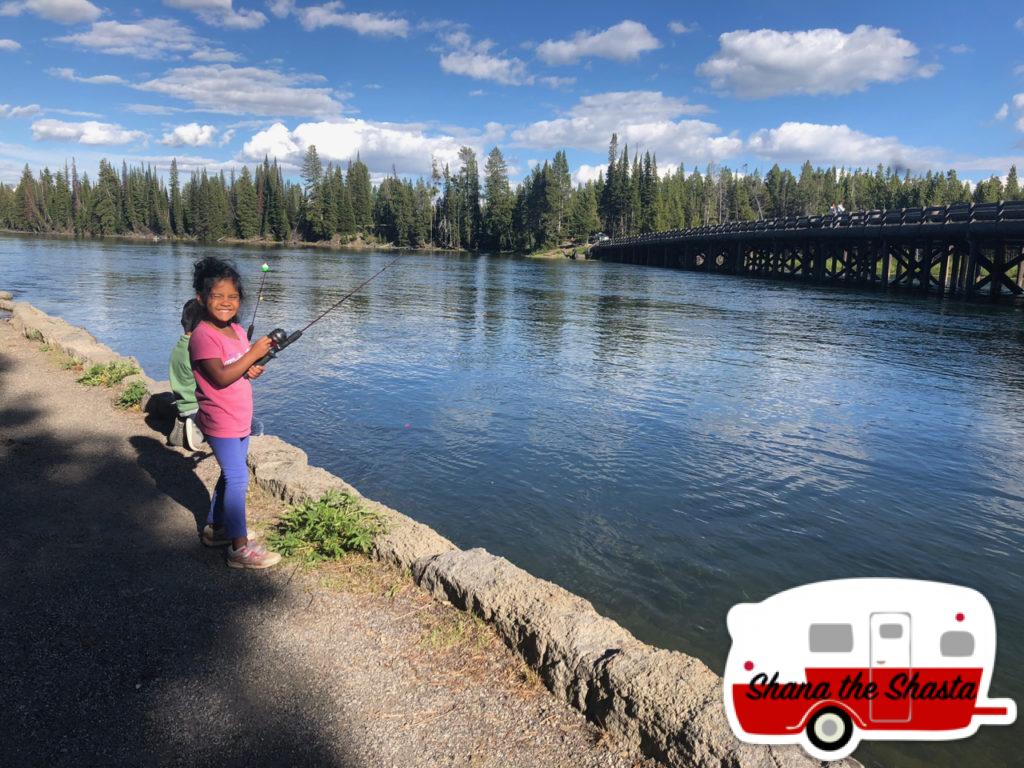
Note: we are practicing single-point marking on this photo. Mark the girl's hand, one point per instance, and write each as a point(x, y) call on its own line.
point(254, 372)
point(262, 347)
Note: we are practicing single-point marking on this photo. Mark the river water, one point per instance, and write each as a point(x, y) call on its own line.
point(664, 443)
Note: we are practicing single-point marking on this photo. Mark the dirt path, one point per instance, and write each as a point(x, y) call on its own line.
point(123, 641)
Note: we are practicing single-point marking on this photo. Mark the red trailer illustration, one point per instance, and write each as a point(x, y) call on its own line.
point(828, 664)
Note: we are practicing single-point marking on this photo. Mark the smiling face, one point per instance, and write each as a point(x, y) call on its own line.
point(222, 302)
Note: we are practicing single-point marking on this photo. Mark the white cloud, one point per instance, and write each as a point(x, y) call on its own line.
point(147, 39)
point(1019, 125)
point(587, 173)
point(327, 15)
point(61, 11)
point(1020, 23)
point(625, 41)
point(476, 60)
point(678, 28)
point(227, 136)
point(6, 44)
point(245, 90)
point(478, 92)
point(767, 62)
point(1002, 112)
point(959, 48)
point(281, 8)
point(220, 13)
point(214, 55)
point(152, 109)
point(1018, 100)
point(646, 118)
point(189, 135)
point(6, 110)
point(407, 147)
point(89, 132)
point(557, 82)
point(840, 145)
point(66, 73)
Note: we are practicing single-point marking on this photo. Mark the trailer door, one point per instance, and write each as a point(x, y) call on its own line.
point(890, 656)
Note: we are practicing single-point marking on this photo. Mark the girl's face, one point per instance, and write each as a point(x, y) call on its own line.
point(222, 303)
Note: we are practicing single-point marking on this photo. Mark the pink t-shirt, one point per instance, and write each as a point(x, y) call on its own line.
point(223, 411)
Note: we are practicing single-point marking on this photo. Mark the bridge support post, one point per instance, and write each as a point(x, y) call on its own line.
point(943, 265)
point(971, 278)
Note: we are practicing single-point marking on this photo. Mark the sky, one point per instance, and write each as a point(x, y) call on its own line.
point(221, 83)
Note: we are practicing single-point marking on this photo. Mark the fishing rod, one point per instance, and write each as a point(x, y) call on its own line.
point(280, 338)
point(259, 298)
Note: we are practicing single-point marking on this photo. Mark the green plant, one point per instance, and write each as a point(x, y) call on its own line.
point(34, 335)
point(132, 395)
point(327, 528)
point(108, 375)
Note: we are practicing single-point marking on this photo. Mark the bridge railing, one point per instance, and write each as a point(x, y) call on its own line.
point(959, 213)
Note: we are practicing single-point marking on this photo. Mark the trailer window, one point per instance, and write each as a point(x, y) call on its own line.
point(956, 644)
point(890, 631)
point(831, 638)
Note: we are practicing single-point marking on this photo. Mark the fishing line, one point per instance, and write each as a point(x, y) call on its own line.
point(259, 297)
point(280, 338)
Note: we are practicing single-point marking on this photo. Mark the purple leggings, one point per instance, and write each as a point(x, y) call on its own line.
point(227, 508)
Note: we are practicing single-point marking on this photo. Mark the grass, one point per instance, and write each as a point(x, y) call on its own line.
point(452, 629)
point(132, 395)
point(34, 335)
point(108, 375)
point(326, 529)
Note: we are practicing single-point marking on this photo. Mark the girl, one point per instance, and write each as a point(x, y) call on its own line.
point(224, 363)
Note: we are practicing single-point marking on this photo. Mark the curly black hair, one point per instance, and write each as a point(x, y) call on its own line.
point(209, 270)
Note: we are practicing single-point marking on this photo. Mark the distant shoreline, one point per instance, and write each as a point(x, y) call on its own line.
point(357, 244)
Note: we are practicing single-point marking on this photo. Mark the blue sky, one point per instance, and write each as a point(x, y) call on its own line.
point(218, 83)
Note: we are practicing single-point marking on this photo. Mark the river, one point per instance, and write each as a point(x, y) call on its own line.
point(664, 443)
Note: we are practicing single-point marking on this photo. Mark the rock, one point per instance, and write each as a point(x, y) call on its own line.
point(6, 305)
point(76, 342)
point(6, 295)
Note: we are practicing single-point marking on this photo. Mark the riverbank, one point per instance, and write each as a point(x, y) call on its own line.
point(128, 643)
point(356, 244)
point(665, 702)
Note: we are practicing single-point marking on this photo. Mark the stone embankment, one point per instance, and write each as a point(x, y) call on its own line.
point(664, 704)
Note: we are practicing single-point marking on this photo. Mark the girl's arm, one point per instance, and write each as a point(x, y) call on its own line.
point(224, 375)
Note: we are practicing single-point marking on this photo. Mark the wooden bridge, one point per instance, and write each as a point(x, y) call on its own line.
point(963, 250)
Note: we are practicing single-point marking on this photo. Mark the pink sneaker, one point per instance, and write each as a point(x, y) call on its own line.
point(252, 556)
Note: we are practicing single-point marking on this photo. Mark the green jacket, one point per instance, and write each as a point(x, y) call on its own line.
point(183, 381)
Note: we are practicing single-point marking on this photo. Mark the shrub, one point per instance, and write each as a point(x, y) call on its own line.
point(108, 375)
point(327, 528)
point(132, 395)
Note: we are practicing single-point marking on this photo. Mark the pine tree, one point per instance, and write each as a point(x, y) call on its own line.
point(1012, 189)
point(247, 221)
point(177, 213)
point(498, 203)
point(360, 195)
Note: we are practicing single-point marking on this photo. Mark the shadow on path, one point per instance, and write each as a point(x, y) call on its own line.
point(122, 640)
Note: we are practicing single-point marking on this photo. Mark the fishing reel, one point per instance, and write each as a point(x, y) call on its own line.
point(279, 339)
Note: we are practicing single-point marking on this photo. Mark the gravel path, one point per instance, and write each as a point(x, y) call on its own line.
point(123, 641)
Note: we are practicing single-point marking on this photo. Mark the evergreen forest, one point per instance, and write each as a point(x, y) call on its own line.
point(460, 208)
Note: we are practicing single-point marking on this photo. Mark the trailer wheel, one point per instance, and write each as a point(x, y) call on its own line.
point(830, 729)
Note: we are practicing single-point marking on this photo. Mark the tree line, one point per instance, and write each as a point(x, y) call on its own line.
point(451, 209)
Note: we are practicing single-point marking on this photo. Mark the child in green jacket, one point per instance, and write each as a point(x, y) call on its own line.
point(183, 382)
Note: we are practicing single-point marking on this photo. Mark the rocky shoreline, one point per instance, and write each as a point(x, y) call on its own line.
point(663, 704)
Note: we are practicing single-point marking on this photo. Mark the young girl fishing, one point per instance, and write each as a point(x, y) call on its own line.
point(224, 363)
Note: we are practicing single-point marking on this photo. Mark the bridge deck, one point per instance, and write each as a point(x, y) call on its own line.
point(949, 250)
